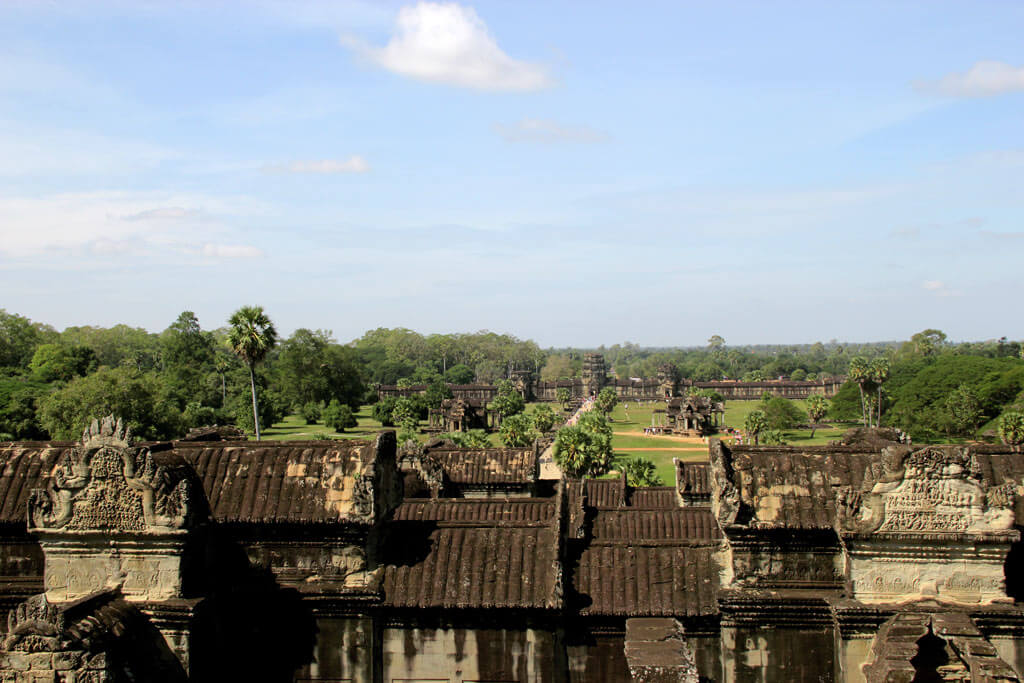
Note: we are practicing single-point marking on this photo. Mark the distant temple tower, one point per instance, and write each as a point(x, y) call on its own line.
point(594, 375)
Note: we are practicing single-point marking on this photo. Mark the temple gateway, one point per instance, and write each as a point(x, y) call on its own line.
point(212, 559)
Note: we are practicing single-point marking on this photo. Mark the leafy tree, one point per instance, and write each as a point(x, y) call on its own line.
point(707, 371)
point(928, 342)
point(436, 392)
point(715, 342)
point(781, 413)
point(383, 411)
point(755, 376)
point(606, 401)
point(557, 367)
point(138, 398)
point(755, 423)
point(60, 363)
point(459, 374)
point(817, 408)
point(19, 338)
point(252, 336)
point(507, 402)
point(404, 412)
point(772, 437)
point(1011, 428)
point(543, 418)
point(963, 411)
point(19, 407)
point(311, 413)
point(339, 416)
point(798, 375)
point(640, 472)
point(517, 431)
point(563, 396)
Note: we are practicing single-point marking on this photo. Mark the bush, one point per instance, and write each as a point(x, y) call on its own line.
point(772, 437)
point(474, 438)
point(383, 411)
point(311, 413)
point(198, 415)
point(338, 416)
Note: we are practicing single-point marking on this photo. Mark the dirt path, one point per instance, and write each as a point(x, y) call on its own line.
point(680, 439)
point(671, 450)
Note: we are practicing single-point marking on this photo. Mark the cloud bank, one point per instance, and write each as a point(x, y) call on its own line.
point(448, 43)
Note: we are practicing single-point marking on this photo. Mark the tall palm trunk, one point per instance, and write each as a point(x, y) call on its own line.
point(863, 406)
point(255, 410)
point(878, 420)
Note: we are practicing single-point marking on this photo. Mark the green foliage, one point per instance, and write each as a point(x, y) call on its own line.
point(706, 393)
point(544, 418)
point(755, 423)
point(60, 363)
point(436, 392)
point(311, 413)
point(781, 413)
point(311, 367)
point(19, 338)
point(474, 438)
point(405, 411)
point(19, 400)
point(272, 406)
point(563, 396)
point(251, 337)
point(585, 450)
point(606, 400)
point(798, 375)
point(640, 472)
point(517, 431)
point(460, 374)
point(755, 376)
point(963, 411)
point(383, 411)
point(508, 401)
point(338, 416)
point(138, 398)
point(198, 415)
point(1011, 428)
point(817, 407)
point(772, 437)
point(921, 393)
point(846, 404)
point(707, 371)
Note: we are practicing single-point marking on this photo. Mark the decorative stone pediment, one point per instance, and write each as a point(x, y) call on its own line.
point(935, 490)
point(106, 484)
point(927, 524)
point(34, 625)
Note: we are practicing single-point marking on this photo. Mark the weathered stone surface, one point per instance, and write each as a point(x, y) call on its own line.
point(657, 653)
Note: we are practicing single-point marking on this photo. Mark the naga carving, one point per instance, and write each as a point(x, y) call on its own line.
point(106, 484)
point(35, 625)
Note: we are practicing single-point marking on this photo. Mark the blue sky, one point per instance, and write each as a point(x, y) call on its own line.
point(576, 173)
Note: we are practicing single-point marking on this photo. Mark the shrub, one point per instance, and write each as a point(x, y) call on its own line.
point(311, 413)
point(338, 416)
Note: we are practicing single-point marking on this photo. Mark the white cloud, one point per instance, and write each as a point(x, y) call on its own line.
point(449, 43)
point(547, 132)
point(230, 251)
point(984, 79)
point(354, 164)
point(933, 285)
point(122, 224)
point(939, 288)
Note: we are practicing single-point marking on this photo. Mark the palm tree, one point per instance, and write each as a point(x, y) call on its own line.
point(251, 337)
point(879, 373)
point(860, 372)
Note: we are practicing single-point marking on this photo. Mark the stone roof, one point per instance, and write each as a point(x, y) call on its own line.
point(692, 478)
point(487, 466)
point(472, 554)
point(643, 526)
point(472, 511)
point(243, 481)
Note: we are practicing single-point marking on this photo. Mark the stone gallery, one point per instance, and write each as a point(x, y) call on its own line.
point(213, 559)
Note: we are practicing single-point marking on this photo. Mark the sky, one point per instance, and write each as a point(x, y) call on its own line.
point(577, 173)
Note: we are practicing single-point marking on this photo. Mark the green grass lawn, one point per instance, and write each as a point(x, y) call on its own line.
point(294, 428)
